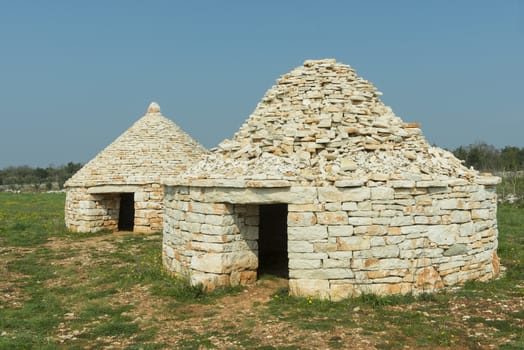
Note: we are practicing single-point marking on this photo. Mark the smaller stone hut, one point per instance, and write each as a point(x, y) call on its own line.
point(120, 188)
point(324, 185)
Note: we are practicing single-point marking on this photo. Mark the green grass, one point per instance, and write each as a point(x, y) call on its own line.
point(85, 290)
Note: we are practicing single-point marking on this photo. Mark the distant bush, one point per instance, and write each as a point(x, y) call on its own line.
point(484, 157)
point(508, 163)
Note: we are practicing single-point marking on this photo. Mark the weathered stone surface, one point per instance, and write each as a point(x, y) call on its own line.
point(332, 218)
point(318, 288)
point(294, 195)
point(372, 207)
point(224, 262)
point(340, 230)
point(456, 249)
point(353, 243)
point(136, 162)
point(308, 234)
point(301, 219)
point(382, 193)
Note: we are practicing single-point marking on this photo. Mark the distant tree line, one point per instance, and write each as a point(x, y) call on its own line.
point(508, 163)
point(51, 177)
point(484, 157)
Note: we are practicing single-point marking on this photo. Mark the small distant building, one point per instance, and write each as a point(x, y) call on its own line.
point(325, 186)
point(120, 188)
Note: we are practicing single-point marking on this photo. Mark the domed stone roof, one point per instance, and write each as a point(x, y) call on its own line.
point(321, 123)
point(151, 149)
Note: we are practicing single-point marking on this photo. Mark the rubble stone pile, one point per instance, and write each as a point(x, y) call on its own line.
point(321, 123)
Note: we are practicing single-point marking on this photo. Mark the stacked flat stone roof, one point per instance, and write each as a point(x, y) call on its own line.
point(151, 149)
point(319, 124)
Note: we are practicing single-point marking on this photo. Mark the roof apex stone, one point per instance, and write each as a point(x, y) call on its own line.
point(153, 108)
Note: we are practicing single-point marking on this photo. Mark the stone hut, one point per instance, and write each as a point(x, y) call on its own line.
point(120, 188)
point(324, 185)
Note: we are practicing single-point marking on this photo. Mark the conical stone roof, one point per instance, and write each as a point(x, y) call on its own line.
point(321, 123)
point(153, 148)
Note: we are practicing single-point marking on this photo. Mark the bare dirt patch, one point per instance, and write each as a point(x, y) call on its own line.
point(249, 318)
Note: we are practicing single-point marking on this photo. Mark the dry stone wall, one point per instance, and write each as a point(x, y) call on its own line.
point(151, 149)
point(86, 212)
point(372, 207)
point(91, 212)
point(378, 236)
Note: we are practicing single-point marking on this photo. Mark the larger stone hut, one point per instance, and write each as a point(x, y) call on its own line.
point(324, 185)
point(120, 188)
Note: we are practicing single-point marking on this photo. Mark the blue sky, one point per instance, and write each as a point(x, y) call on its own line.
point(75, 74)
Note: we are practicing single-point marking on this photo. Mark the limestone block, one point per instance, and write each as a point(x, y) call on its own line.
point(387, 288)
point(392, 240)
point(309, 233)
point(482, 214)
point(322, 274)
point(299, 247)
point(478, 196)
point(349, 206)
point(467, 229)
point(371, 230)
point(456, 249)
point(333, 194)
point(382, 193)
point(452, 265)
point(301, 219)
point(242, 278)
point(219, 219)
point(218, 229)
point(428, 279)
point(443, 234)
point(359, 221)
point(353, 243)
point(387, 251)
point(460, 216)
point(249, 232)
point(209, 281)
point(401, 220)
point(308, 256)
point(340, 230)
point(349, 182)
point(333, 206)
point(86, 205)
point(338, 292)
point(290, 195)
point(332, 218)
point(451, 204)
point(210, 208)
point(335, 263)
point(190, 226)
point(394, 264)
point(305, 207)
point(141, 196)
point(304, 264)
point(402, 183)
point(325, 246)
point(225, 262)
point(377, 241)
point(195, 217)
point(314, 288)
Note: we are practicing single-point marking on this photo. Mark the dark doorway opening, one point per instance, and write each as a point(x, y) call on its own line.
point(272, 240)
point(126, 217)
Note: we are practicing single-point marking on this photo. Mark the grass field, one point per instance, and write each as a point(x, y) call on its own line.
point(70, 291)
